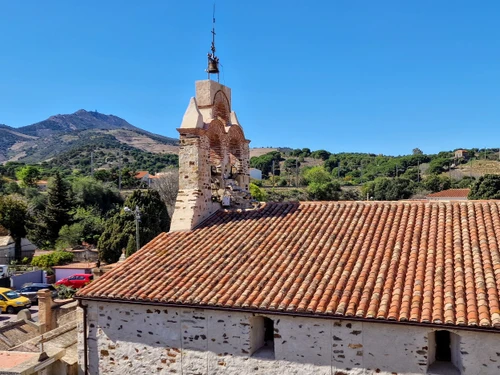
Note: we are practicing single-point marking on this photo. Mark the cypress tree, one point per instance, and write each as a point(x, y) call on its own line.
point(58, 207)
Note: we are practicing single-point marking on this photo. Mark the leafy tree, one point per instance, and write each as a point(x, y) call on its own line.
point(317, 175)
point(435, 183)
point(13, 188)
point(265, 163)
point(439, 165)
point(389, 189)
point(28, 175)
point(120, 227)
point(70, 236)
point(257, 193)
point(13, 218)
point(417, 151)
point(88, 191)
point(55, 258)
point(320, 154)
point(324, 191)
point(486, 187)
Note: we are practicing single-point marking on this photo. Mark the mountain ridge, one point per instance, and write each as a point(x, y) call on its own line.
point(62, 132)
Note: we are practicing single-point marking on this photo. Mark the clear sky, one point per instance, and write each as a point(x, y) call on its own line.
point(370, 76)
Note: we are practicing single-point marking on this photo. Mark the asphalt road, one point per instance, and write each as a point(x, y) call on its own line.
point(5, 318)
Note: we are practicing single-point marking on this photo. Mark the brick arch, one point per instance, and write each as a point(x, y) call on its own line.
point(216, 134)
point(220, 106)
point(236, 141)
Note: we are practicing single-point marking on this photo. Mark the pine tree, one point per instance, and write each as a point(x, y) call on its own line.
point(58, 207)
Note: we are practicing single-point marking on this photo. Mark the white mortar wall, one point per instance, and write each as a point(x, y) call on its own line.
point(137, 339)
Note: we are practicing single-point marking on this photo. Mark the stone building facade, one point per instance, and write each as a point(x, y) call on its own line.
point(140, 339)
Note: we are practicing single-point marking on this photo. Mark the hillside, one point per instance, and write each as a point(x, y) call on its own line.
point(63, 133)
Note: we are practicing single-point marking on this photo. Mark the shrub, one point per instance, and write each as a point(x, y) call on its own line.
point(53, 259)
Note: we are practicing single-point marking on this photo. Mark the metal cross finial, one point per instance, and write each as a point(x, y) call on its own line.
point(213, 61)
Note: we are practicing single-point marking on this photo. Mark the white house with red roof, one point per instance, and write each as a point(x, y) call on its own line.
point(344, 288)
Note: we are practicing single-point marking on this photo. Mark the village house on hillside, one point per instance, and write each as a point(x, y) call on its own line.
point(342, 288)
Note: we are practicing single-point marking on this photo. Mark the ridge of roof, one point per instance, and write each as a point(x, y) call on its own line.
point(428, 262)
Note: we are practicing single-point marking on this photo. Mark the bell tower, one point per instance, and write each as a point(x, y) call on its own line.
point(213, 155)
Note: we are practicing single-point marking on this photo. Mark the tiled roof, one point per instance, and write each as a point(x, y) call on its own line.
point(6, 240)
point(451, 193)
point(141, 174)
point(426, 262)
point(80, 265)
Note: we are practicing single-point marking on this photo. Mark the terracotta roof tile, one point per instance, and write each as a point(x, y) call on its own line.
point(450, 193)
point(428, 262)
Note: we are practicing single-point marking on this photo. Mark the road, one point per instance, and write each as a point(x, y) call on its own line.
point(6, 318)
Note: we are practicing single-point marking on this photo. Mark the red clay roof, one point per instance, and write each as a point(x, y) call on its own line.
point(427, 262)
point(77, 266)
point(141, 174)
point(451, 193)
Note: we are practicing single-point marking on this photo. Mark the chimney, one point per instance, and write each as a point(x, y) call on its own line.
point(213, 157)
point(45, 303)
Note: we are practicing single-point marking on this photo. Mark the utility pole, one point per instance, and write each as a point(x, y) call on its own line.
point(273, 176)
point(92, 163)
point(297, 172)
point(119, 171)
point(137, 217)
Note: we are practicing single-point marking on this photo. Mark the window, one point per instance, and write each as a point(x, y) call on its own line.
point(262, 337)
point(444, 353)
point(443, 346)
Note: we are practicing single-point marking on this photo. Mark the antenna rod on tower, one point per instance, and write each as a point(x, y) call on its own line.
point(213, 61)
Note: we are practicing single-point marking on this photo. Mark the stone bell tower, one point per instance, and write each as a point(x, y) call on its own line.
point(213, 158)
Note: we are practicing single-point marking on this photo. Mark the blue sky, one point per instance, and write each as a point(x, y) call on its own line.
point(367, 76)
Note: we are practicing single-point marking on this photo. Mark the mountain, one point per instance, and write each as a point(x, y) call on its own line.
point(62, 133)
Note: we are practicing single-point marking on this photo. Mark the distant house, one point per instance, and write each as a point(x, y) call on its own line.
point(143, 177)
point(461, 154)
point(8, 249)
point(67, 270)
point(42, 185)
point(449, 195)
point(256, 174)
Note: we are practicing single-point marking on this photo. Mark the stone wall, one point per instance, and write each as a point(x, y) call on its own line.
point(138, 339)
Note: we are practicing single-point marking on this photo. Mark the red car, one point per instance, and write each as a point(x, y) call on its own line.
point(76, 281)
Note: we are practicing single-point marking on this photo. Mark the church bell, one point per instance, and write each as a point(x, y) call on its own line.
point(213, 66)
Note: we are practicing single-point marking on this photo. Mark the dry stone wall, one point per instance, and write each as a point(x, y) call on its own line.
point(138, 339)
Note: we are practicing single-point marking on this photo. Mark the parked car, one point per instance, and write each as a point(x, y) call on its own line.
point(76, 281)
point(30, 290)
point(11, 301)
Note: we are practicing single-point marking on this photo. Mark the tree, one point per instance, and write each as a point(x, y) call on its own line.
point(119, 228)
point(327, 191)
point(57, 211)
point(257, 193)
point(13, 218)
point(28, 175)
point(265, 163)
point(486, 187)
point(317, 175)
point(167, 185)
point(417, 151)
point(439, 165)
point(435, 183)
point(88, 191)
point(388, 189)
point(321, 154)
